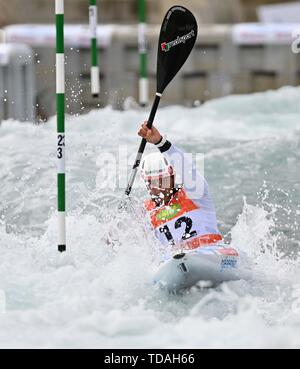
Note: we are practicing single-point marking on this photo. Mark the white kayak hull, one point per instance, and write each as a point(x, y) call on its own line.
point(210, 265)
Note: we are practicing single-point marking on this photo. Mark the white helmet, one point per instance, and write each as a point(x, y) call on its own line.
point(156, 166)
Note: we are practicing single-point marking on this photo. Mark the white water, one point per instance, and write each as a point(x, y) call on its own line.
point(94, 296)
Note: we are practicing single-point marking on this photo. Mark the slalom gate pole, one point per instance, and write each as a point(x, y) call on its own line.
point(143, 82)
point(60, 102)
point(95, 77)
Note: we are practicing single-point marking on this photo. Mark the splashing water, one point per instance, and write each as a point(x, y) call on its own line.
point(98, 293)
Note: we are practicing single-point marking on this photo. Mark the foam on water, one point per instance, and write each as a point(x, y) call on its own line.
point(98, 295)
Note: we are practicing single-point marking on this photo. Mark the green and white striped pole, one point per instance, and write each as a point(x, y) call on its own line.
point(60, 101)
point(95, 78)
point(144, 83)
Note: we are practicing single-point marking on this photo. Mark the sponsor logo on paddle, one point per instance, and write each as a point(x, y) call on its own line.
point(167, 46)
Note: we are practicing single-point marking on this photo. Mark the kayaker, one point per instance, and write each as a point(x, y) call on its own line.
point(182, 215)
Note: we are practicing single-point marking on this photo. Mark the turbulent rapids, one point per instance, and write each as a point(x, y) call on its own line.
point(98, 293)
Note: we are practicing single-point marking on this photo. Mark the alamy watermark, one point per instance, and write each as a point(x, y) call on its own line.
point(115, 169)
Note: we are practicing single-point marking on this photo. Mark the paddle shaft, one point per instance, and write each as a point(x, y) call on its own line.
point(142, 145)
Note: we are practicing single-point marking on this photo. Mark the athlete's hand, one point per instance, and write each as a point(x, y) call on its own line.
point(151, 135)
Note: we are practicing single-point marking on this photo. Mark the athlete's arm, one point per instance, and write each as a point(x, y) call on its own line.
point(152, 135)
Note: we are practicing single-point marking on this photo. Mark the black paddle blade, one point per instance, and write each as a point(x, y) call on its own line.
point(177, 38)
